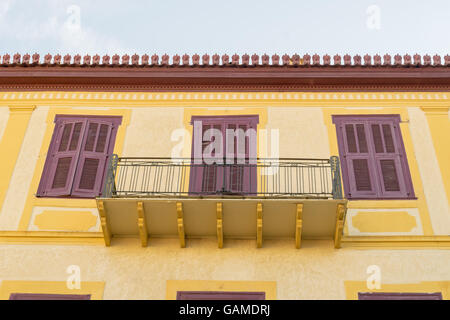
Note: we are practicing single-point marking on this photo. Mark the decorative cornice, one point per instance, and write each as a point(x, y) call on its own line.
point(246, 73)
point(119, 97)
point(223, 61)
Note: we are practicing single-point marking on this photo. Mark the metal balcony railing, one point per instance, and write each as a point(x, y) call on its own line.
point(284, 177)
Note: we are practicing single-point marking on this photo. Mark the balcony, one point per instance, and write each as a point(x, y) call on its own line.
point(260, 199)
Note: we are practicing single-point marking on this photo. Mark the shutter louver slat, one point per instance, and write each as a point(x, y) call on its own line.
point(362, 175)
point(388, 140)
point(377, 140)
point(101, 141)
point(91, 135)
point(75, 136)
point(61, 173)
point(362, 141)
point(65, 137)
point(389, 174)
point(351, 140)
point(89, 174)
point(210, 171)
point(209, 181)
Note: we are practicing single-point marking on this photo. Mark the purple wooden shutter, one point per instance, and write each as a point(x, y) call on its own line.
point(93, 158)
point(77, 156)
point(398, 296)
point(62, 158)
point(39, 296)
point(220, 295)
point(209, 179)
point(373, 157)
point(390, 159)
point(241, 178)
point(360, 180)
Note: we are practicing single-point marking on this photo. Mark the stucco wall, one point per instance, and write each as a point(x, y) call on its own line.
point(150, 130)
point(317, 271)
point(303, 132)
point(4, 115)
point(429, 171)
point(16, 196)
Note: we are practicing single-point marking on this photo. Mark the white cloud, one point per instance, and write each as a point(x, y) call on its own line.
point(62, 30)
point(4, 6)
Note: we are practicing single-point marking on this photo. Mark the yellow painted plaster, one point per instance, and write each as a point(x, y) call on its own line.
point(65, 220)
point(397, 242)
point(11, 143)
point(353, 287)
point(439, 123)
point(420, 203)
point(95, 289)
point(96, 102)
point(383, 221)
point(32, 200)
point(316, 271)
point(269, 287)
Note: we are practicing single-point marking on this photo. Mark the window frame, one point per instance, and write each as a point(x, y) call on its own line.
point(48, 296)
point(403, 177)
point(399, 296)
point(220, 295)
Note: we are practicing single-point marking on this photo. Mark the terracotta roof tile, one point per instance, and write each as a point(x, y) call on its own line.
point(224, 60)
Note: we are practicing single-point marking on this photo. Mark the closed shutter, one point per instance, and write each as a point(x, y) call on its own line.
point(357, 159)
point(77, 156)
point(62, 158)
point(232, 178)
point(388, 154)
point(210, 173)
point(373, 157)
point(93, 159)
point(241, 174)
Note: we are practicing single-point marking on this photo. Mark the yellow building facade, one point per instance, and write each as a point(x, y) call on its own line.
point(278, 239)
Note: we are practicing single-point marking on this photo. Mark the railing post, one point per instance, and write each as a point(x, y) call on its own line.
point(110, 179)
point(336, 177)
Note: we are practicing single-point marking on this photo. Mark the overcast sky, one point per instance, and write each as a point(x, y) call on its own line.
point(226, 26)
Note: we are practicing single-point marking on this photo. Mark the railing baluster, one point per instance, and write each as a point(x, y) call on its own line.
point(163, 176)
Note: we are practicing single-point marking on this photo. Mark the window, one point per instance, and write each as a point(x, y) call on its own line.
point(220, 295)
point(38, 296)
point(78, 155)
point(373, 157)
point(238, 175)
point(398, 296)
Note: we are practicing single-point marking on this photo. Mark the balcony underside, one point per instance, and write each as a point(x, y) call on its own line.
point(222, 217)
